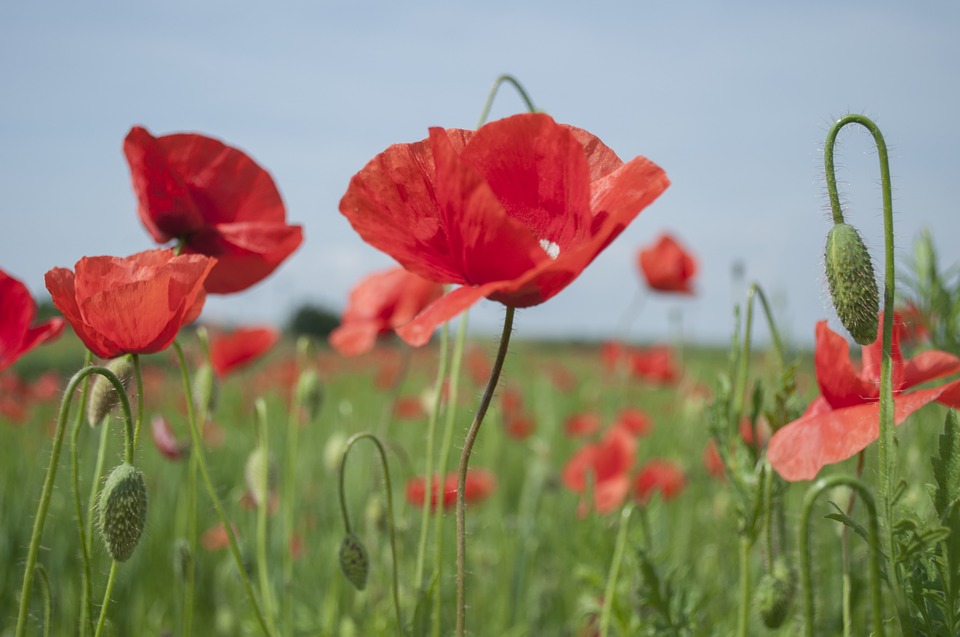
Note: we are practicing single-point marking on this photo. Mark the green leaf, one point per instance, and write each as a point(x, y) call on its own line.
point(946, 468)
point(846, 520)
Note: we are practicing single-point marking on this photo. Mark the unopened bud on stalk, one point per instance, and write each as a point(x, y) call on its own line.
point(206, 390)
point(259, 472)
point(103, 395)
point(123, 511)
point(852, 283)
point(774, 595)
point(310, 393)
point(354, 561)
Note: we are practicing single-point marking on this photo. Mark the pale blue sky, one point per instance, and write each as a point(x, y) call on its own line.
point(733, 99)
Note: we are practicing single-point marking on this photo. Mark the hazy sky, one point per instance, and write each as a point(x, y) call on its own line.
point(732, 99)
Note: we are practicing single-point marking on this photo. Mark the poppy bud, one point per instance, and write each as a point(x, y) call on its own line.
point(354, 562)
point(123, 511)
point(259, 473)
point(103, 395)
point(205, 389)
point(182, 559)
point(310, 394)
point(852, 283)
point(774, 595)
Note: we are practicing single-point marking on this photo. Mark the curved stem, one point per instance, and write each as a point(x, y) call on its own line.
point(138, 374)
point(873, 540)
point(387, 484)
point(465, 463)
point(509, 79)
point(611, 587)
point(197, 448)
point(111, 578)
point(262, 504)
point(38, 523)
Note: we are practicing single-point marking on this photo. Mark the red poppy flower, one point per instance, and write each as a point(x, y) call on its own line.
point(612, 355)
point(512, 212)
point(845, 418)
point(132, 305)
point(655, 365)
point(215, 200)
point(379, 304)
point(712, 461)
point(511, 400)
point(607, 463)
point(240, 347)
point(479, 486)
point(667, 267)
point(165, 440)
point(409, 408)
point(519, 425)
point(582, 424)
point(17, 337)
point(635, 421)
point(661, 476)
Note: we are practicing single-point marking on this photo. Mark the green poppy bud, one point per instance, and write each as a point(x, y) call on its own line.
point(773, 596)
point(852, 283)
point(310, 394)
point(206, 390)
point(259, 472)
point(123, 511)
point(103, 395)
point(354, 561)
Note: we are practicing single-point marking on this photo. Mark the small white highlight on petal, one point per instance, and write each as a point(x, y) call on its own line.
point(551, 248)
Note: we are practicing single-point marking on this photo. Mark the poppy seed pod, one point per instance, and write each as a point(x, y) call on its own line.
point(354, 562)
point(103, 395)
point(774, 595)
point(123, 511)
point(852, 283)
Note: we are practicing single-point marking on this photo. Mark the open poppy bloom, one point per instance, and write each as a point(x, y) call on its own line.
point(240, 347)
point(658, 476)
point(479, 485)
point(131, 305)
point(845, 418)
point(654, 365)
point(582, 424)
point(606, 465)
point(635, 421)
point(667, 267)
point(17, 337)
point(512, 212)
point(379, 304)
point(213, 199)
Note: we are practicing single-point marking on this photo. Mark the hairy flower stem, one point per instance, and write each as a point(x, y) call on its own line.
point(197, 450)
point(886, 441)
point(111, 578)
point(38, 523)
point(86, 613)
point(743, 615)
point(138, 374)
point(45, 591)
point(508, 79)
point(262, 503)
point(873, 539)
point(611, 587)
point(465, 463)
point(352, 440)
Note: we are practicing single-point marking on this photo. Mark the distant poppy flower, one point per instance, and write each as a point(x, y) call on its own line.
point(512, 212)
point(667, 267)
point(658, 476)
point(165, 440)
point(606, 465)
point(712, 461)
point(654, 365)
point(379, 304)
point(519, 425)
point(613, 355)
point(408, 408)
point(478, 364)
point(215, 538)
point(635, 421)
point(229, 352)
point(582, 424)
point(131, 305)
point(215, 200)
point(845, 418)
point(562, 378)
point(479, 486)
point(511, 400)
point(17, 337)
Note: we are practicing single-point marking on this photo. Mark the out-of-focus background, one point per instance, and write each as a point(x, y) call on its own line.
point(732, 99)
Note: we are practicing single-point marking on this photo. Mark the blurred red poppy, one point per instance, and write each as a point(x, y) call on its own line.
point(658, 476)
point(519, 425)
point(613, 355)
point(215, 538)
point(915, 324)
point(606, 465)
point(654, 365)
point(712, 461)
point(213, 199)
point(511, 400)
point(478, 487)
point(131, 305)
point(378, 305)
point(165, 440)
point(667, 267)
point(582, 424)
point(635, 421)
point(240, 347)
point(17, 337)
point(409, 408)
point(845, 418)
point(512, 212)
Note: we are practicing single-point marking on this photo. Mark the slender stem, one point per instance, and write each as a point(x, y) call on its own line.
point(509, 79)
point(743, 617)
point(611, 587)
point(387, 484)
point(111, 578)
point(756, 290)
point(396, 388)
point(262, 504)
point(86, 613)
point(873, 539)
point(38, 523)
point(465, 463)
point(138, 374)
point(197, 448)
point(45, 591)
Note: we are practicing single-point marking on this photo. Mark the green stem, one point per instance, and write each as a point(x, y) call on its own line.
point(743, 616)
point(38, 523)
point(611, 587)
point(138, 374)
point(887, 435)
point(873, 539)
point(86, 613)
point(197, 448)
point(111, 578)
point(465, 463)
point(47, 600)
point(387, 484)
point(509, 79)
point(262, 503)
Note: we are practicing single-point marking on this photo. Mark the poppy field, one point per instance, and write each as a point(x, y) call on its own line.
point(401, 475)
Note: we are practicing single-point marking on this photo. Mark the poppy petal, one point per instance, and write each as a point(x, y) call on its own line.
point(418, 331)
point(839, 383)
point(928, 366)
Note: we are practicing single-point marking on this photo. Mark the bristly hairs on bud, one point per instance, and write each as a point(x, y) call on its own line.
point(103, 395)
point(774, 595)
point(206, 389)
point(122, 511)
point(354, 563)
point(853, 286)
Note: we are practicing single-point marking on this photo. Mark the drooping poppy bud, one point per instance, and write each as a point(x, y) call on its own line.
point(853, 286)
point(354, 562)
point(103, 395)
point(310, 394)
point(774, 595)
point(123, 511)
